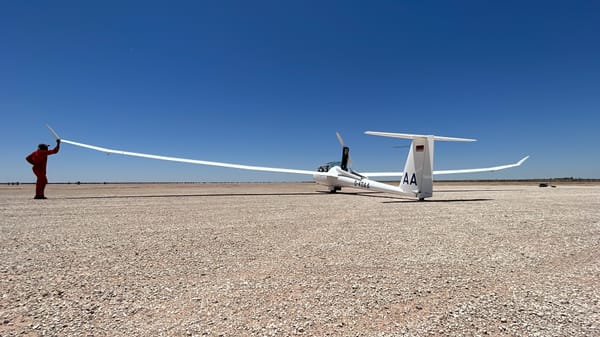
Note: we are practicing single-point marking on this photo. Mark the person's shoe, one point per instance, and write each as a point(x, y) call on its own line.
point(39, 197)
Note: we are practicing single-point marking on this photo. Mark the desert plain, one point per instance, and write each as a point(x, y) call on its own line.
point(288, 259)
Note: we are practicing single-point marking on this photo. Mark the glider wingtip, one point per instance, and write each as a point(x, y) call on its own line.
point(523, 160)
point(52, 131)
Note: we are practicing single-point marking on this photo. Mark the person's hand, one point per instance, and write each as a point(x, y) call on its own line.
point(58, 142)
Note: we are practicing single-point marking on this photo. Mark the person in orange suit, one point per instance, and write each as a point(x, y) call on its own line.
point(39, 159)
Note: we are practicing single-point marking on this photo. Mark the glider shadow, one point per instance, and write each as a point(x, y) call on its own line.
point(381, 195)
point(191, 195)
point(403, 199)
point(439, 200)
point(477, 190)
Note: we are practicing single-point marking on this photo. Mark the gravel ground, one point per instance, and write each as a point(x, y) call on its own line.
point(286, 259)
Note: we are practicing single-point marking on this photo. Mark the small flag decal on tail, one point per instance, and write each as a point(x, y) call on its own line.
point(420, 148)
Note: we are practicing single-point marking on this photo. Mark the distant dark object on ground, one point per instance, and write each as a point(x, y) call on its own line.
point(546, 185)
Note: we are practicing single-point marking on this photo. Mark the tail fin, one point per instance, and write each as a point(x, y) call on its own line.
point(417, 177)
point(418, 170)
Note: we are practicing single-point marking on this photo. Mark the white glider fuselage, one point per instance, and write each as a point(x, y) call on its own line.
point(336, 178)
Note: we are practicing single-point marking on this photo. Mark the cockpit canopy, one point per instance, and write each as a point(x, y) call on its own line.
point(325, 167)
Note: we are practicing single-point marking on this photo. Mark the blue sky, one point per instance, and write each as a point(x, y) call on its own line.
point(270, 82)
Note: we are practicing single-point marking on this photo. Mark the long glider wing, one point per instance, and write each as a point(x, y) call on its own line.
point(441, 172)
point(192, 161)
point(485, 169)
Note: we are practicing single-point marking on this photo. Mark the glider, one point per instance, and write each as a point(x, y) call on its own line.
point(416, 179)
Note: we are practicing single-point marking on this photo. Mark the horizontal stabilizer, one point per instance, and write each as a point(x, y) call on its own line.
point(414, 136)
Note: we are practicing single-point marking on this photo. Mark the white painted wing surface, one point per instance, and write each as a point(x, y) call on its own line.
point(485, 169)
point(441, 172)
point(198, 162)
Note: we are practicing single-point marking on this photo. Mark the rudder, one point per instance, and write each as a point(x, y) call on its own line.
point(417, 178)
